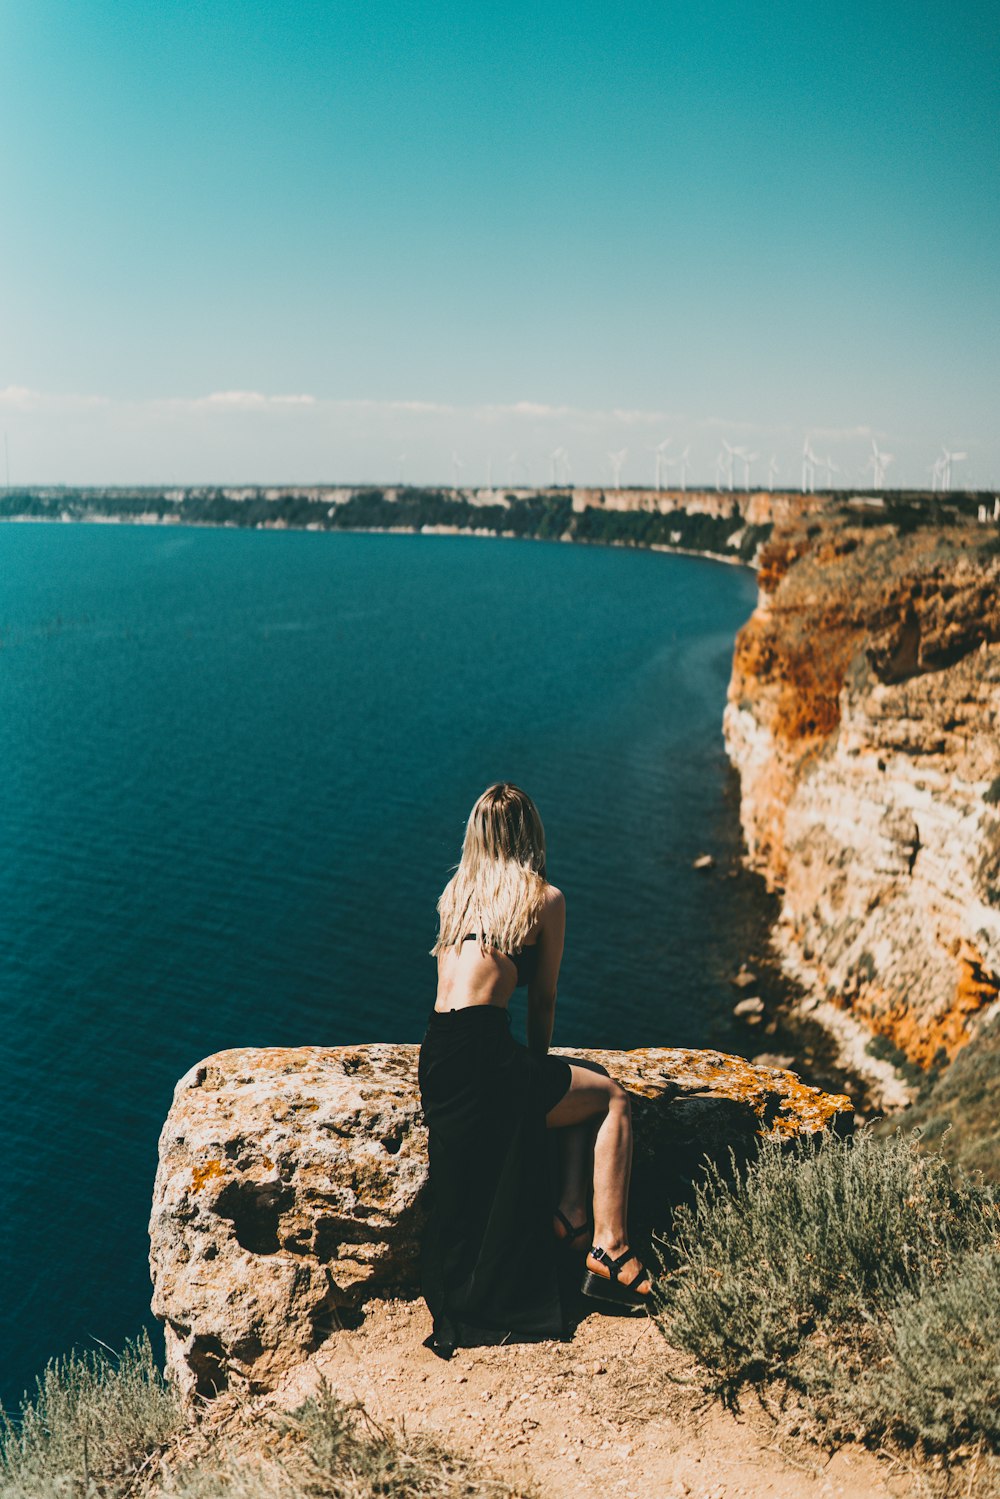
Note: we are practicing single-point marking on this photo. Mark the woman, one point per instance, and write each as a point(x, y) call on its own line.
point(489, 1262)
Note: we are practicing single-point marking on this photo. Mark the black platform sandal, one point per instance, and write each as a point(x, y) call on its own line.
point(610, 1288)
point(568, 1239)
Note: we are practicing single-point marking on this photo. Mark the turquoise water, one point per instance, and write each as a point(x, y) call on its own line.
point(236, 769)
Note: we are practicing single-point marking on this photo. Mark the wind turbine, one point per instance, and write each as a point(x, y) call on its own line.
point(731, 453)
point(617, 459)
point(937, 474)
point(878, 463)
point(772, 469)
point(561, 472)
point(831, 469)
point(810, 463)
point(456, 467)
point(746, 459)
point(660, 451)
point(683, 464)
point(947, 459)
point(724, 466)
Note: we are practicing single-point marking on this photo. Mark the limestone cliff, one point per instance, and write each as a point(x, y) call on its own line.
point(290, 1185)
point(753, 507)
point(864, 720)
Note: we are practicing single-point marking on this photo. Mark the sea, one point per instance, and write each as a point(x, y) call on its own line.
point(236, 768)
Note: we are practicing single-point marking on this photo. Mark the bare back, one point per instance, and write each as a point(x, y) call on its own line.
point(467, 976)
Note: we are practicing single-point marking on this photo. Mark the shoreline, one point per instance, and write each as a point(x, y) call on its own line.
point(479, 533)
point(798, 1029)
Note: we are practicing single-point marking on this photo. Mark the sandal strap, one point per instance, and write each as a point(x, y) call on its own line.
point(615, 1266)
point(637, 1280)
point(571, 1232)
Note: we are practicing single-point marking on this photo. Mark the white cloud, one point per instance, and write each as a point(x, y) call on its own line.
point(727, 424)
point(846, 434)
point(245, 400)
point(417, 408)
point(19, 397)
point(22, 398)
point(421, 408)
point(582, 417)
point(536, 410)
point(639, 418)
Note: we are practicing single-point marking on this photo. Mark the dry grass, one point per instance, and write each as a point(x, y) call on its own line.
point(353, 1457)
point(93, 1423)
point(331, 1450)
point(98, 1425)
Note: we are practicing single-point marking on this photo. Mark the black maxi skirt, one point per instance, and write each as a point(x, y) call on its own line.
point(488, 1261)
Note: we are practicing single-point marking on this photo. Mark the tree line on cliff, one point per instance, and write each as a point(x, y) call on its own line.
point(546, 516)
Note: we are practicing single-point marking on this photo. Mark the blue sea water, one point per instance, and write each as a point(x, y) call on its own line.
point(236, 769)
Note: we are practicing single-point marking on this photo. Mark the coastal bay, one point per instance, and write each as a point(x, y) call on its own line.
point(238, 766)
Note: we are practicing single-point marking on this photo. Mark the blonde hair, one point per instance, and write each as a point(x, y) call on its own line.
point(498, 889)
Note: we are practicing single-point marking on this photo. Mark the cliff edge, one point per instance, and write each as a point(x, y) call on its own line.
point(290, 1186)
point(864, 720)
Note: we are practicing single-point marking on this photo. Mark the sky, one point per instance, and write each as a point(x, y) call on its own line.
point(339, 243)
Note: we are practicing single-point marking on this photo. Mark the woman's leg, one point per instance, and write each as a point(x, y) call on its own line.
point(593, 1095)
point(576, 1156)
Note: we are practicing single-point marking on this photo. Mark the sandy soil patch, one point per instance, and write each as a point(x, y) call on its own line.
point(613, 1414)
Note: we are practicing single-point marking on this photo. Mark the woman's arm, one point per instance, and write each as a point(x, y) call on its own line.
point(542, 989)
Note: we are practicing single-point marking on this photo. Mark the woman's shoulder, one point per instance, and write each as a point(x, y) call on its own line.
point(553, 902)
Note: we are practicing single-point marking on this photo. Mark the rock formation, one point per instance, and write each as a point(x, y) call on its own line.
point(864, 719)
point(290, 1185)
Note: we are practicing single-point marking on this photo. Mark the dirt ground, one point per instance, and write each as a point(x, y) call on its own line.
point(613, 1414)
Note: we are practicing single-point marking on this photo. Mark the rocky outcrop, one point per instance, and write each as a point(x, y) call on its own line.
point(864, 719)
point(290, 1185)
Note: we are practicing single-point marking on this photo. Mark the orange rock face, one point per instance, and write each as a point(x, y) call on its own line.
point(864, 718)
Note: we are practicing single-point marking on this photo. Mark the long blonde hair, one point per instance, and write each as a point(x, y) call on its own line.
point(498, 889)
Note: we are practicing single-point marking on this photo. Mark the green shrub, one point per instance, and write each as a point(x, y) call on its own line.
point(939, 1379)
point(93, 1419)
point(821, 1243)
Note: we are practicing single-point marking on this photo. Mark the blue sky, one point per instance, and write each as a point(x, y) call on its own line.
point(295, 241)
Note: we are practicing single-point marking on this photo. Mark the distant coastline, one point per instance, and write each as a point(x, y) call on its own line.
point(724, 525)
point(727, 527)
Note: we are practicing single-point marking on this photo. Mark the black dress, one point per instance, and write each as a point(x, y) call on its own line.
point(488, 1263)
